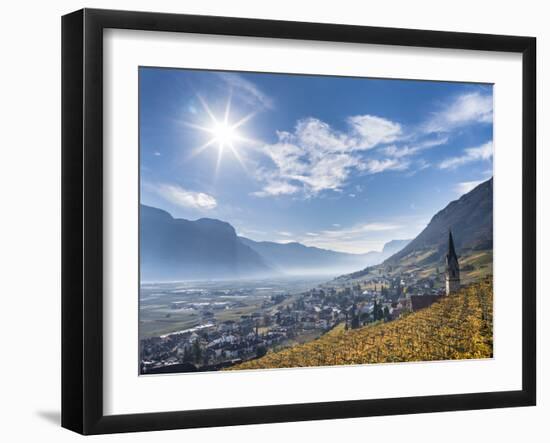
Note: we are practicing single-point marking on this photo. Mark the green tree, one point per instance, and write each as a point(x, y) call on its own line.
point(377, 313)
point(197, 351)
point(261, 350)
point(186, 354)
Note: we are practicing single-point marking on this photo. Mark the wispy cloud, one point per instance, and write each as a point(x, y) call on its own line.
point(362, 228)
point(417, 166)
point(473, 107)
point(188, 199)
point(372, 130)
point(358, 238)
point(375, 166)
point(483, 152)
point(413, 149)
point(465, 187)
point(248, 90)
point(244, 232)
point(316, 157)
point(274, 188)
point(285, 233)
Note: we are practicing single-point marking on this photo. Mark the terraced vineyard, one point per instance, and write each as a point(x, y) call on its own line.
point(457, 327)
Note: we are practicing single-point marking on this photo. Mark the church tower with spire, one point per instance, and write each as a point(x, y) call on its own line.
point(452, 271)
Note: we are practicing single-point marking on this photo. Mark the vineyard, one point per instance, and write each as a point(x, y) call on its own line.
point(456, 327)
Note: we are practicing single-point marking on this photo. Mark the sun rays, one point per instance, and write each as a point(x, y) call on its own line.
point(224, 134)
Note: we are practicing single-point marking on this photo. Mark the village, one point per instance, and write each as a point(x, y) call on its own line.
point(285, 320)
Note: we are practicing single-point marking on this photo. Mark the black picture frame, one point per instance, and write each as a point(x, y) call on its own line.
point(82, 219)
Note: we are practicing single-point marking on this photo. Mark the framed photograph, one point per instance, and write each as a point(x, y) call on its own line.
point(269, 221)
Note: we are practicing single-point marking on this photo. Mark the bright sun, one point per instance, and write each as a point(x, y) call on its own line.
point(223, 134)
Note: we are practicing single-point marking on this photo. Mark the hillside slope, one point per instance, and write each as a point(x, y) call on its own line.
point(457, 327)
point(471, 220)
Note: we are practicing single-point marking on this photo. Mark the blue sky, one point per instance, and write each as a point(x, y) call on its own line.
point(334, 162)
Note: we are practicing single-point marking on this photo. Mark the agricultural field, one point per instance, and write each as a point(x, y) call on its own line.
point(171, 307)
point(456, 327)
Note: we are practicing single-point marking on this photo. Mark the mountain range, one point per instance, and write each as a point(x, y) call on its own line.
point(296, 258)
point(177, 249)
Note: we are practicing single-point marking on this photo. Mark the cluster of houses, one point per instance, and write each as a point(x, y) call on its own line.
point(282, 321)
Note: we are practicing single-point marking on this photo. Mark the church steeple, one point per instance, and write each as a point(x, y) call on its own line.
point(452, 271)
point(451, 252)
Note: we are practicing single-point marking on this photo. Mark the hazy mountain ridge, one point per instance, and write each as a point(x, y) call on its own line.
point(298, 258)
point(173, 249)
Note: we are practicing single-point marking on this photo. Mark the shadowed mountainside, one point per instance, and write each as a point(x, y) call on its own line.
point(470, 218)
point(172, 249)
